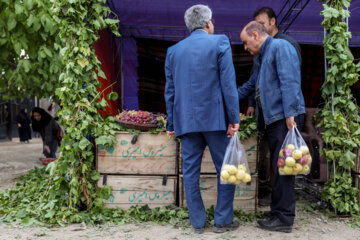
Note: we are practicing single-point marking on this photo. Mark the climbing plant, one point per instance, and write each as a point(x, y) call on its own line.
point(48, 48)
point(339, 117)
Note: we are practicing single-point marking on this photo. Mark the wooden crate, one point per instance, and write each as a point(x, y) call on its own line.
point(155, 191)
point(245, 194)
point(207, 165)
point(151, 154)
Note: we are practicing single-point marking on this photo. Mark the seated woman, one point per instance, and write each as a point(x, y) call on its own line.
point(44, 124)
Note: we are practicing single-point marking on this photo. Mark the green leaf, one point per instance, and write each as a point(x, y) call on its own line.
point(112, 96)
point(83, 143)
point(111, 21)
point(11, 24)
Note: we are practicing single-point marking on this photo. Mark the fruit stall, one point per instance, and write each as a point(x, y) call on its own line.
point(144, 167)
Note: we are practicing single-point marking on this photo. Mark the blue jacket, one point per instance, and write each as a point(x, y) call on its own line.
point(200, 90)
point(279, 78)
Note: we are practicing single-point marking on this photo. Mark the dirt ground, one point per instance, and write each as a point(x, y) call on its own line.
point(16, 158)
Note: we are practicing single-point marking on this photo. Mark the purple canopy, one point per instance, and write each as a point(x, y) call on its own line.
point(164, 19)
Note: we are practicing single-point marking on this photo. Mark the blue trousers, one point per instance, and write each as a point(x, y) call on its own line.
point(193, 145)
point(283, 190)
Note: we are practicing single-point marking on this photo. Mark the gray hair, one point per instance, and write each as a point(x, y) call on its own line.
point(256, 27)
point(197, 16)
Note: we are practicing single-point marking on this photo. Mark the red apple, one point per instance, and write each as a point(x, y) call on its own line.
point(281, 162)
point(304, 160)
point(287, 152)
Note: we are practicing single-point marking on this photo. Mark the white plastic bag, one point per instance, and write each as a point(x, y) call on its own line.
point(294, 156)
point(235, 169)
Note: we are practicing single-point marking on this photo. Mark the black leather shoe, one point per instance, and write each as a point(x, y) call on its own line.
point(275, 224)
point(199, 230)
point(267, 215)
point(224, 228)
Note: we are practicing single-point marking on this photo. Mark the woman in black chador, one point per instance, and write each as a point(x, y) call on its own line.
point(24, 125)
point(43, 123)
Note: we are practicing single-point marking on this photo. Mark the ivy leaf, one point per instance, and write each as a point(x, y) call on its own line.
point(11, 24)
point(101, 74)
point(84, 143)
point(111, 21)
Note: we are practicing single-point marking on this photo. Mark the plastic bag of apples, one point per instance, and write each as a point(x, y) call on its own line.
point(294, 156)
point(235, 169)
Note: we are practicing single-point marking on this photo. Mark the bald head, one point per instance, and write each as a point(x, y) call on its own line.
point(253, 35)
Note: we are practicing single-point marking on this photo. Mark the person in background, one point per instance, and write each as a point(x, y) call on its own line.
point(24, 125)
point(203, 107)
point(46, 125)
point(280, 103)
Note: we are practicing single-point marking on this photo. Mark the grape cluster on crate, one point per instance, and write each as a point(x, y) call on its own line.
point(294, 161)
point(141, 117)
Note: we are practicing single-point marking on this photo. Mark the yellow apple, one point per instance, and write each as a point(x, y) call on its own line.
point(297, 154)
point(288, 170)
point(309, 159)
point(281, 171)
point(304, 150)
point(297, 168)
point(305, 169)
point(242, 167)
point(291, 146)
point(226, 167)
point(222, 179)
point(290, 162)
point(240, 174)
point(224, 174)
point(232, 170)
point(232, 179)
point(237, 182)
point(281, 154)
point(247, 178)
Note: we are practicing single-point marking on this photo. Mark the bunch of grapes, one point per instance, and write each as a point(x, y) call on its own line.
point(140, 117)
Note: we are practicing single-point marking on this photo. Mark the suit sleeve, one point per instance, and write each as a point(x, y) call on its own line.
point(169, 92)
point(288, 69)
point(227, 80)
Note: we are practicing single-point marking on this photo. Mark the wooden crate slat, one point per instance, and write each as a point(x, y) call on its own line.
point(207, 165)
point(245, 197)
point(140, 190)
point(356, 168)
point(151, 154)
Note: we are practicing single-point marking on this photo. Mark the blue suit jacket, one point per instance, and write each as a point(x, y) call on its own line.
point(200, 90)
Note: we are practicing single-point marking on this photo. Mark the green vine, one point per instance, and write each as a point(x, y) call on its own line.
point(339, 118)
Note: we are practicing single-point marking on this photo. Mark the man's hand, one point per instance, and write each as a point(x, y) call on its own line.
point(46, 148)
point(171, 133)
point(232, 129)
point(290, 123)
point(19, 125)
point(250, 111)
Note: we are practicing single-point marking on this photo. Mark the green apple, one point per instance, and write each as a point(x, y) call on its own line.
point(297, 154)
point(247, 178)
point(288, 170)
point(240, 174)
point(304, 149)
point(290, 162)
point(291, 146)
point(224, 174)
point(232, 170)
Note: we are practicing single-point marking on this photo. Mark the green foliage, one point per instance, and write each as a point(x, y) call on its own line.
point(29, 46)
point(247, 127)
point(339, 118)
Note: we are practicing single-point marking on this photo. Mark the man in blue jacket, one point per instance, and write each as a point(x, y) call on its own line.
point(280, 102)
point(203, 107)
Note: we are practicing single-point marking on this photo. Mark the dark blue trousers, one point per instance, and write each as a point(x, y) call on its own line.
point(192, 147)
point(283, 190)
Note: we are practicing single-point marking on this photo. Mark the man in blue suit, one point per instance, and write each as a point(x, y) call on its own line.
point(203, 107)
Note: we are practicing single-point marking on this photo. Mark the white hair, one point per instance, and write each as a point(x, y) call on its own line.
point(197, 16)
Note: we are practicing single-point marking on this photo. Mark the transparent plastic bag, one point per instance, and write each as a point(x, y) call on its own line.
point(235, 169)
point(294, 156)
